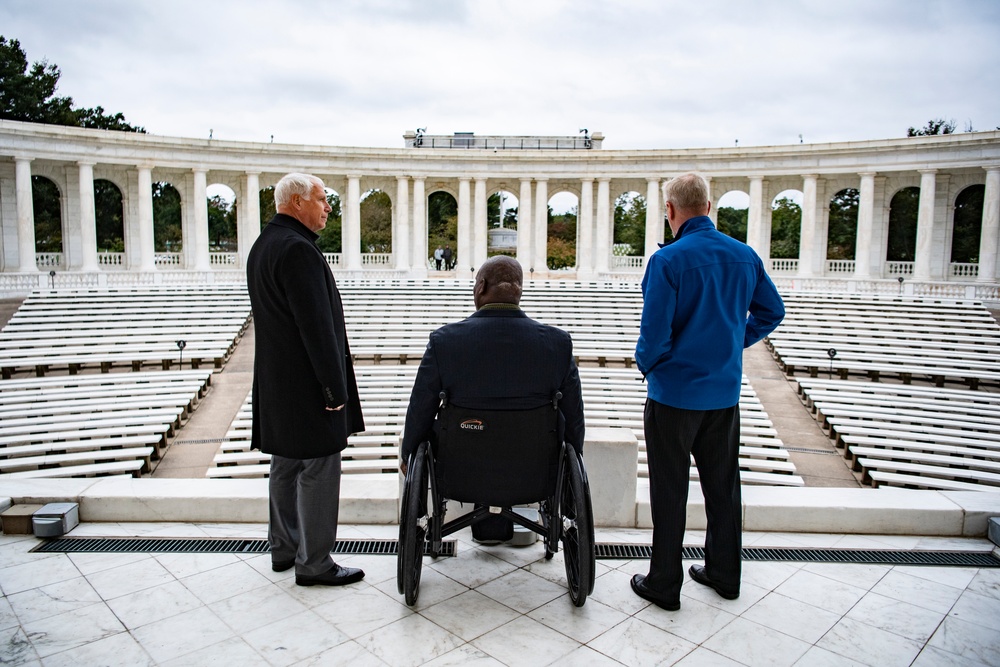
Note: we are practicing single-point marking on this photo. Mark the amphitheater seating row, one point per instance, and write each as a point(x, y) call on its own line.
point(75, 329)
point(93, 425)
point(907, 338)
point(612, 397)
point(904, 435)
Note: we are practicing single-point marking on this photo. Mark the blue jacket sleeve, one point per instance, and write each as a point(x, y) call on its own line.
point(766, 310)
point(659, 298)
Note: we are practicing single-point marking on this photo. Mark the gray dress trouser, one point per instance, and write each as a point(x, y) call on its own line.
point(304, 507)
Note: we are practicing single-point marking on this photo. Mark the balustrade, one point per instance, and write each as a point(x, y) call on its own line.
point(376, 259)
point(223, 258)
point(784, 265)
point(893, 269)
point(48, 260)
point(628, 262)
point(961, 270)
point(840, 266)
point(115, 260)
point(168, 259)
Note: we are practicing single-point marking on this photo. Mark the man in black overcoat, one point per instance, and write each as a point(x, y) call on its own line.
point(305, 397)
point(497, 358)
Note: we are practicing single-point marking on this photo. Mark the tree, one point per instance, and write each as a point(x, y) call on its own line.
point(167, 233)
point(267, 210)
point(786, 224)
point(630, 222)
point(561, 241)
point(968, 225)
point(376, 222)
point(221, 222)
point(933, 127)
point(442, 221)
point(733, 222)
point(48, 218)
point(28, 94)
point(108, 205)
point(330, 236)
point(903, 210)
point(842, 232)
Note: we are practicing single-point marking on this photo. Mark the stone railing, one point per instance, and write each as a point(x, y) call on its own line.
point(964, 270)
point(839, 266)
point(231, 259)
point(333, 259)
point(48, 260)
point(628, 262)
point(784, 265)
point(111, 260)
point(168, 259)
point(893, 269)
point(376, 259)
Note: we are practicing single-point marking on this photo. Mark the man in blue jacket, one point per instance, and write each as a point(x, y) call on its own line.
point(697, 293)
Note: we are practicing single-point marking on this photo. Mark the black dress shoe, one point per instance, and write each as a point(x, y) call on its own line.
point(282, 565)
point(698, 573)
point(335, 576)
point(643, 591)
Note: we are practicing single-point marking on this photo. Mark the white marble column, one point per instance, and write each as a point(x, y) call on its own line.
point(350, 244)
point(88, 218)
point(248, 215)
point(199, 210)
point(585, 231)
point(713, 212)
point(654, 218)
point(147, 251)
point(807, 233)
point(866, 218)
point(524, 226)
point(755, 223)
point(540, 256)
point(991, 228)
point(463, 251)
point(420, 255)
point(479, 224)
point(925, 225)
point(401, 235)
point(25, 215)
point(602, 244)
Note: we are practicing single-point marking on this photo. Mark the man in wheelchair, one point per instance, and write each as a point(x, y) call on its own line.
point(495, 419)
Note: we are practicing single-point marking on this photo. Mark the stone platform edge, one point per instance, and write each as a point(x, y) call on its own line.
point(375, 500)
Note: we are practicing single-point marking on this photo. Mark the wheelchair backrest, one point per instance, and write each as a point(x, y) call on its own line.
point(497, 457)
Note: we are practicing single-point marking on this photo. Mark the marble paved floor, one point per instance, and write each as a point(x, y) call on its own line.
point(487, 606)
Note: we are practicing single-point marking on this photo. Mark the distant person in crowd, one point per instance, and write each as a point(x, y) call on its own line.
point(448, 258)
point(305, 397)
point(438, 256)
point(497, 358)
point(697, 293)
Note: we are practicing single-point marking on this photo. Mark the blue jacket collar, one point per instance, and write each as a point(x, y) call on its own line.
point(696, 224)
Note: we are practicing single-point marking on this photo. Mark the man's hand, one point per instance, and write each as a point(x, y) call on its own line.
point(329, 409)
point(402, 467)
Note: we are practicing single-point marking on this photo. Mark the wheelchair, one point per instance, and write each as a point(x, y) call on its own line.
point(495, 460)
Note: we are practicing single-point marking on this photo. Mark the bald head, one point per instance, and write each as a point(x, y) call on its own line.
point(498, 281)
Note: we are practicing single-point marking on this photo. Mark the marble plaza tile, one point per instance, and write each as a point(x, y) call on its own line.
point(957, 577)
point(16, 649)
point(362, 611)
point(255, 608)
point(244, 530)
point(185, 565)
point(409, 641)
point(703, 657)
point(820, 657)
point(695, 621)
point(98, 562)
point(38, 603)
point(119, 650)
point(153, 604)
point(579, 623)
point(346, 653)
point(792, 617)
point(129, 578)
point(614, 590)
point(798, 540)
point(892, 542)
point(523, 591)
point(8, 619)
point(232, 651)
point(15, 551)
point(977, 609)
point(315, 596)
point(36, 573)
point(377, 531)
point(948, 543)
point(434, 587)
point(749, 596)
point(753, 644)
point(860, 575)
point(525, 642)
point(224, 582)
point(72, 628)
point(635, 642)
point(519, 556)
point(377, 568)
point(466, 655)
point(585, 657)
point(470, 615)
point(986, 583)
point(172, 530)
point(101, 529)
point(971, 641)
point(822, 592)
point(768, 575)
point(900, 618)
point(295, 638)
point(554, 569)
point(869, 645)
point(473, 568)
point(935, 657)
point(918, 591)
point(182, 634)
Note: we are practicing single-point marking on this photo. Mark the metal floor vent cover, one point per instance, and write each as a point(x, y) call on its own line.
point(866, 556)
point(215, 545)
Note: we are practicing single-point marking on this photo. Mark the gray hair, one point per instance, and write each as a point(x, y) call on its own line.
point(687, 192)
point(295, 184)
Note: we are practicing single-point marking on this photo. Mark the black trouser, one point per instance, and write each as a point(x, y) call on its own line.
point(713, 437)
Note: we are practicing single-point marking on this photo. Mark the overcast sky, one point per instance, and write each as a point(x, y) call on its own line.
point(646, 73)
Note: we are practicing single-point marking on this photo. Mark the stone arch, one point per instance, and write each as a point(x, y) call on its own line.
point(442, 222)
point(786, 224)
point(901, 245)
point(731, 214)
point(562, 229)
point(968, 225)
point(46, 200)
point(842, 228)
point(109, 208)
point(168, 235)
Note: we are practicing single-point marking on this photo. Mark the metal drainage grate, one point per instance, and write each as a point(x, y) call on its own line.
point(866, 556)
point(223, 545)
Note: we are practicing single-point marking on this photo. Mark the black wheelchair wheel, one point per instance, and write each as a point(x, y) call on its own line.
point(412, 527)
point(578, 530)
